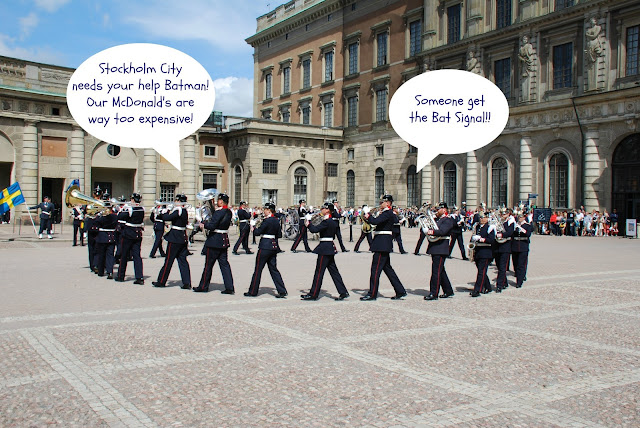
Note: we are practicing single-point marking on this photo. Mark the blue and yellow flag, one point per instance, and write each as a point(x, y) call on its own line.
point(10, 197)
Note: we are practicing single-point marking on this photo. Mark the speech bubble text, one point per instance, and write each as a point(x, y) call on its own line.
point(141, 95)
point(448, 111)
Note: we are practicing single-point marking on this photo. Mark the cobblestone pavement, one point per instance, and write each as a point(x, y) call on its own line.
point(78, 350)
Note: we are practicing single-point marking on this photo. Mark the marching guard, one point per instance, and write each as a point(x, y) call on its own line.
point(45, 216)
point(365, 232)
point(483, 240)
point(397, 233)
point(91, 226)
point(381, 246)
point(243, 222)
point(439, 250)
point(177, 244)
point(78, 217)
point(133, 215)
point(336, 217)
point(217, 245)
point(502, 251)
point(520, 248)
point(105, 242)
point(456, 233)
point(158, 232)
point(302, 225)
point(267, 254)
point(326, 251)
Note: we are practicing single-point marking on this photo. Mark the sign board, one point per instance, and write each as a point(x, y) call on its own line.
point(533, 195)
point(542, 214)
point(632, 228)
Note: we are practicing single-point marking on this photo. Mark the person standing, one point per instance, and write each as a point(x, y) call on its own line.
point(217, 245)
point(326, 251)
point(439, 250)
point(243, 222)
point(484, 238)
point(302, 226)
point(502, 250)
point(336, 217)
point(45, 216)
point(397, 233)
point(456, 233)
point(105, 242)
point(158, 232)
point(269, 231)
point(382, 245)
point(177, 244)
point(78, 217)
point(365, 232)
point(520, 248)
point(133, 215)
point(92, 228)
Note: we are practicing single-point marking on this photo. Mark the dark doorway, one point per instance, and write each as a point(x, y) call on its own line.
point(119, 182)
point(626, 180)
point(53, 187)
point(5, 174)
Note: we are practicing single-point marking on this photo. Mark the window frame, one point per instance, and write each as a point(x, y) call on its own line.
point(268, 166)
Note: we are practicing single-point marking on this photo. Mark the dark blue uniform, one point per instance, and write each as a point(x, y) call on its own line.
point(119, 237)
point(268, 250)
point(78, 217)
point(502, 252)
point(439, 251)
point(363, 235)
point(420, 241)
point(302, 212)
point(216, 248)
point(91, 226)
point(131, 241)
point(456, 236)
point(483, 254)
point(177, 242)
point(520, 251)
point(382, 245)
point(336, 217)
point(243, 222)
point(326, 251)
point(45, 216)
point(397, 234)
point(158, 231)
point(105, 243)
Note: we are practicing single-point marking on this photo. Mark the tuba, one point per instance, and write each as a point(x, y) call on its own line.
point(366, 226)
point(205, 212)
point(316, 219)
point(428, 222)
point(496, 222)
point(257, 222)
point(73, 197)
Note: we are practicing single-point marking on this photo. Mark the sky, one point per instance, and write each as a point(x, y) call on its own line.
point(66, 32)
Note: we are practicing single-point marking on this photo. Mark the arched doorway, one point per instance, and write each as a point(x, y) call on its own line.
point(450, 187)
point(7, 157)
point(626, 179)
point(412, 187)
point(351, 188)
point(299, 184)
point(499, 178)
point(114, 168)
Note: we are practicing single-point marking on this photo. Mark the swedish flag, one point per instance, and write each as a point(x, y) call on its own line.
point(10, 197)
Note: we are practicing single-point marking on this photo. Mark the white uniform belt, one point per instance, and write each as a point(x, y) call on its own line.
point(243, 221)
point(134, 225)
point(122, 221)
point(334, 218)
point(46, 212)
point(106, 230)
point(520, 238)
point(159, 221)
point(396, 224)
point(269, 236)
point(178, 228)
point(482, 245)
point(326, 239)
point(383, 232)
point(221, 231)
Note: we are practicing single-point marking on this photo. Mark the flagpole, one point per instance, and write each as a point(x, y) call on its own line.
point(34, 225)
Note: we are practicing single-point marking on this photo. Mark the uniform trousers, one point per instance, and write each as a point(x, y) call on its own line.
point(457, 237)
point(382, 263)
point(339, 237)
point(420, 241)
point(268, 258)
point(302, 236)
point(157, 243)
point(45, 224)
point(362, 236)
point(439, 276)
point(104, 257)
point(211, 256)
point(502, 260)
point(482, 280)
point(180, 252)
point(326, 262)
point(243, 238)
point(91, 247)
point(130, 246)
point(520, 261)
point(397, 236)
point(76, 229)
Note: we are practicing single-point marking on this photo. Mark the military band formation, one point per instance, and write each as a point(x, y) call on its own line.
point(114, 232)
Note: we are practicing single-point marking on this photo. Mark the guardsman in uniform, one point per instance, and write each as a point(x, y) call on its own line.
point(158, 232)
point(78, 217)
point(216, 246)
point(45, 216)
point(484, 238)
point(177, 244)
point(245, 228)
point(119, 238)
point(326, 251)
point(381, 246)
point(302, 226)
point(268, 249)
point(502, 252)
point(336, 217)
point(520, 248)
point(91, 225)
point(132, 238)
point(439, 250)
point(456, 234)
point(397, 234)
point(365, 232)
point(420, 241)
point(105, 242)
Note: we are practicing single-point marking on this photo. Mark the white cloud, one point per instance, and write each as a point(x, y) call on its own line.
point(51, 5)
point(234, 96)
point(27, 24)
point(33, 53)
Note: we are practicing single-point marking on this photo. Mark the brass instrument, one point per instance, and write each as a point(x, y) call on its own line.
point(257, 222)
point(428, 222)
point(496, 221)
point(316, 219)
point(472, 245)
point(205, 212)
point(366, 226)
point(73, 197)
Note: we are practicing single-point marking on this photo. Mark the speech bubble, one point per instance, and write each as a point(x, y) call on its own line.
point(446, 112)
point(141, 95)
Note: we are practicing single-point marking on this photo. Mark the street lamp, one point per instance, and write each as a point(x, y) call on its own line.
point(324, 160)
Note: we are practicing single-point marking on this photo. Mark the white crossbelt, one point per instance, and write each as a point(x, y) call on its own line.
point(134, 225)
point(178, 228)
point(335, 218)
point(46, 212)
point(520, 238)
point(122, 221)
point(243, 221)
point(269, 236)
point(159, 221)
point(106, 230)
point(221, 230)
point(383, 232)
point(326, 239)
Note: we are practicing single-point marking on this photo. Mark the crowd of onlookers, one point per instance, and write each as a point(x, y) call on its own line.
point(581, 223)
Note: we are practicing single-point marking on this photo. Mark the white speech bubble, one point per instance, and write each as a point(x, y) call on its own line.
point(141, 95)
point(448, 111)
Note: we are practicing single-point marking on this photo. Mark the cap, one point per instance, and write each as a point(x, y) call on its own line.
point(443, 205)
point(335, 201)
point(46, 197)
point(224, 197)
point(136, 197)
point(522, 214)
point(327, 206)
point(270, 206)
point(243, 202)
point(106, 196)
point(302, 201)
point(181, 197)
point(386, 198)
point(122, 199)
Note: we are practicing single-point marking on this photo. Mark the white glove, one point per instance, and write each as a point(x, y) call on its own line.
point(366, 209)
point(475, 238)
point(308, 217)
point(252, 222)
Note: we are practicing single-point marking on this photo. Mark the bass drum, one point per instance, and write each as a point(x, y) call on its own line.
point(291, 225)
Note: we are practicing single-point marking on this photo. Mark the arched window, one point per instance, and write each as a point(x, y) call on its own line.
point(412, 186)
point(351, 188)
point(237, 185)
point(299, 184)
point(558, 181)
point(499, 182)
point(379, 187)
point(450, 183)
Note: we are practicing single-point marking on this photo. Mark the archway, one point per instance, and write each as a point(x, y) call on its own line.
point(626, 179)
point(114, 168)
point(7, 158)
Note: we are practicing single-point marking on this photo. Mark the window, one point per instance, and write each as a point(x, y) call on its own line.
point(209, 150)
point(113, 150)
point(286, 80)
point(329, 16)
point(270, 140)
point(633, 59)
point(499, 182)
point(453, 20)
point(561, 4)
point(412, 187)
point(379, 151)
point(351, 188)
point(299, 184)
point(379, 183)
point(328, 113)
point(503, 13)
point(381, 39)
point(381, 105)
point(415, 38)
point(351, 154)
point(269, 166)
point(286, 116)
point(306, 73)
point(267, 86)
point(237, 185)
point(328, 66)
point(353, 7)
point(306, 115)
point(450, 183)
point(503, 76)
point(167, 192)
point(210, 181)
point(558, 181)
point(353, 58)
point(269, 195)
point(562, 59)
point(332, 170)
point(55, 111)
point(352, 111)
point(413, 149)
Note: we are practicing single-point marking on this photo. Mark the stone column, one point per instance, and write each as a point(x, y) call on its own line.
point(189, 170)
point(29, 174)
point(592, 168)
point(526, 168)
point(149, 177)
point(426, 172)
point(76, 158)
point(472, 196)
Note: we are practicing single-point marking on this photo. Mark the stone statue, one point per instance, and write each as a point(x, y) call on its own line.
point(594, 47)
point(472, 62)
point(526, 55)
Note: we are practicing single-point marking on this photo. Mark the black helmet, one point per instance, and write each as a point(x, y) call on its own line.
point(243, 202)
point(181, 197)
point(106, 196)
point(122, 199)
point(270, 206)
point(328, 206)
point(302, 201)
point(386, 198)
point(224, 197)
point(443, 205)
point(136, 197)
